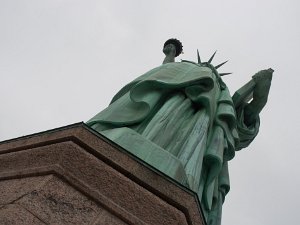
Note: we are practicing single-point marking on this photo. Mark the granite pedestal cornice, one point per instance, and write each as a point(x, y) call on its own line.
point(73, 175)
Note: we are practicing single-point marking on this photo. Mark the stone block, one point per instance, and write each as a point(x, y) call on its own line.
point(73, 175)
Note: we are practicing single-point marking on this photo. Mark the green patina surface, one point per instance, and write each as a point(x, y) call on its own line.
point(181, 119)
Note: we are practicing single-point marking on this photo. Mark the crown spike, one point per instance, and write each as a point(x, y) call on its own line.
point(218, 66)
point(198, 56)
point(211, 58)
point(224, 74)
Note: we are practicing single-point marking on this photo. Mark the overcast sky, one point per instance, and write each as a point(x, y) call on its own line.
point(61, 61)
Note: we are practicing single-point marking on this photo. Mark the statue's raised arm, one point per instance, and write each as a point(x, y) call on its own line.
point(172, 48)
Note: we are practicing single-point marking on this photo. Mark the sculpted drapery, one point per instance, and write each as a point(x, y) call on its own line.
point(185, 111)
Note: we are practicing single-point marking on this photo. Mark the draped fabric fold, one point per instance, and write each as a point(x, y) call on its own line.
point(181, 108)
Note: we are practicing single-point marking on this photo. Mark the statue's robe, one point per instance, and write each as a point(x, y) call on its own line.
point(181, 111)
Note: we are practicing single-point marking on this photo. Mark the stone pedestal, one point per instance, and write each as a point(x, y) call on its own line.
point(73, 175)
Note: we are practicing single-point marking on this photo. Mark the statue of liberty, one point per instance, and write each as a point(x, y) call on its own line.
point(180, 118)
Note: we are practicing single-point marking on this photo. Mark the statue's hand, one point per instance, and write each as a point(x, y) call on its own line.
point(262, 81)
point(263, 76)
point(262, 86)
point(170, 52)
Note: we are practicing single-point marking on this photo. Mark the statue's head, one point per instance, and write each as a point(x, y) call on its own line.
point(173, 46)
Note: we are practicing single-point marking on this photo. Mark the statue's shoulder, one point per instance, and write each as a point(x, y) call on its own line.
point(184, 66)
point(170, 73)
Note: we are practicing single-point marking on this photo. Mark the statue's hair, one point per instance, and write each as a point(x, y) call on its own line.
point(177, 43)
